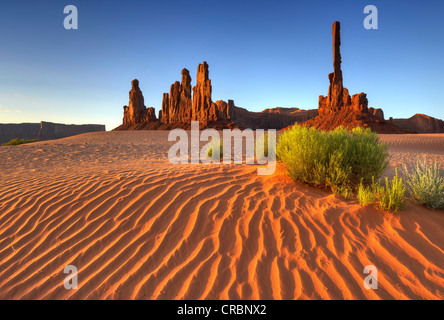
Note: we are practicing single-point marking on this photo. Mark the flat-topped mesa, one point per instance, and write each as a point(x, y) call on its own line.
point(136, 112)
point(338, 97)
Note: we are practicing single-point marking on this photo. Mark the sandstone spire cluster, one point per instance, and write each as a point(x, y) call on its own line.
point(176, 106)
point(181, 105)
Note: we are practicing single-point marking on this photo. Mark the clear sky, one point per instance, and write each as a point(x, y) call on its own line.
point(261, 54)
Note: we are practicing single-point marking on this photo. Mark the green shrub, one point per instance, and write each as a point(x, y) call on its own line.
point(338, 159)
point(367, 194)
point(261, 146)
point(214, 145)
point(391, 197)
point(16, 141)
point(426, 184)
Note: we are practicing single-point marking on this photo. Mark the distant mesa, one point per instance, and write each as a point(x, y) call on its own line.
point(44, 130)
point(182, 105)
point(420, 123)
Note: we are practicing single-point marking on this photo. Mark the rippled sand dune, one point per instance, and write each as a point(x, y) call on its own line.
point(137, 227)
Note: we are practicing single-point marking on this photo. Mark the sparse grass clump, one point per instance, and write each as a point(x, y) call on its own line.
point(338, 159)
point(391, 197)
point(388, 197)
point(17, 141)
point(213, 147)
point(425, 183)
point(367, 194)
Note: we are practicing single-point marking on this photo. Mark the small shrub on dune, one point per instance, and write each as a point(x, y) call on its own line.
point(338, 159)
point(213, 147)
point(425, 183)
point(388, 197)
point(367, 194)
point(391, 197)
point(15, 142)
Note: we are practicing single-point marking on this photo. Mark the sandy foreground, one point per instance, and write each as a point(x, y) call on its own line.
point(138, 227)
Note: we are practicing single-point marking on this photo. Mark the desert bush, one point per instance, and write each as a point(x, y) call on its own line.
point(392, 196)
point(388, 197)
point(425, 183)
point(17, 141)
point(367, 194)
point(213, 146)
point(338, 159)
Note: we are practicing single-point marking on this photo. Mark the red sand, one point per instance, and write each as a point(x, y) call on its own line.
point(138, 227)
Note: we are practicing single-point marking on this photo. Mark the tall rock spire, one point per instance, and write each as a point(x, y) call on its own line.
point(337, 53)
point(338, 97)
point(202, 94)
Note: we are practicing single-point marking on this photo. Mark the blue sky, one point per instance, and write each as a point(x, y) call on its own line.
point(261, 54)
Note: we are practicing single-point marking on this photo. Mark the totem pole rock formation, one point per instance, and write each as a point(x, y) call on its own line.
point(338, 97)
point(339, 109)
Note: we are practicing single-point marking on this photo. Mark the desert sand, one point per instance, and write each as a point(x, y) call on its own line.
point(138, 227)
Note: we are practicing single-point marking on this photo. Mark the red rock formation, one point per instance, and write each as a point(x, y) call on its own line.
point(164, 114)
point(177, 106)
point(420, 123)
point(179, 109)
point(136, 112)
point(339, 109)
point(276, 118)
point(202, 96)
point(338, 97)
point(150, 115)
point(378, 113)
point(231, 112)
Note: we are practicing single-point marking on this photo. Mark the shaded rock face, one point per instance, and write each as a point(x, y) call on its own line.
point(136, 112)
point(44, 130)
point(338, 97)
point(378, 113)
point(420, 123)
point(49, 130)
point(276, 118)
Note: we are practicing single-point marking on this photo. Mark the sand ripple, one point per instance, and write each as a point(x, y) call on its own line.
point(158, 231)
